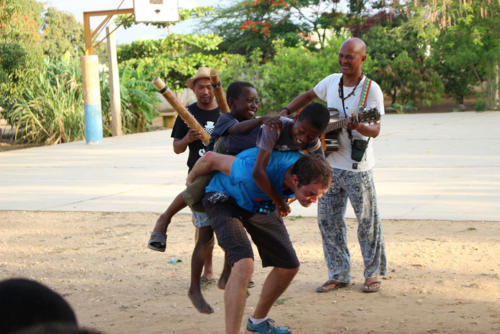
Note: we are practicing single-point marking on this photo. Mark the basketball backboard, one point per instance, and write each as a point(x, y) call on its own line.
point(156, 11)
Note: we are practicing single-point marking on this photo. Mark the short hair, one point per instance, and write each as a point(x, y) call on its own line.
point(57, 328)
point(25, 303)
point(311, 169)
point(316, 114)
point(235, 88)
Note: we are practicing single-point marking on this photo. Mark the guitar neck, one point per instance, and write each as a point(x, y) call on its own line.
point(336, 125)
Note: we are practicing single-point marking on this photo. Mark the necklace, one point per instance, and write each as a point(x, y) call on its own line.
point(341, 86)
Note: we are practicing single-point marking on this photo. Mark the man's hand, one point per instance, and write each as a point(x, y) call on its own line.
point(284, 112)
point(191, 136)
point(352, 123)
point(273, 122)
point(282, 208)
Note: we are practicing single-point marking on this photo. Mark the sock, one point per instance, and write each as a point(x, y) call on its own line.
point(257, 321)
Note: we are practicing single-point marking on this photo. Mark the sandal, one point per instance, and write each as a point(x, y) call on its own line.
point(369, 287)
point(205, 281)
point(331, 285)
point(158, 241)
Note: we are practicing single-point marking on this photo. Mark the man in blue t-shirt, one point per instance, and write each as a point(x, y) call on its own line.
point(235, 205)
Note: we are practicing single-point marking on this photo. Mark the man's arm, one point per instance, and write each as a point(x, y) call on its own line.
point(299, 102)
point(180, 145)
point(249, 125)
point(368, 130)
point(209, 162)
point(262, 181)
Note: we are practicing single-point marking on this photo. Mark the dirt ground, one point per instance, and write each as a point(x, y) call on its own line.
point(444, 276)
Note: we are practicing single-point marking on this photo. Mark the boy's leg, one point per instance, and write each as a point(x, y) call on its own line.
point(208, 271)
point(200, 219)
point(194, 192)
point(200, 252)
point(162, 223)
point(224, 276)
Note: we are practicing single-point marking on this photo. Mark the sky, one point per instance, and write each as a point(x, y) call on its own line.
point(138, 32)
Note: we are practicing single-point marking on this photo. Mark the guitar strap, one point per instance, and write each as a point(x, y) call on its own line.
point(364, 97)
point(362, 104)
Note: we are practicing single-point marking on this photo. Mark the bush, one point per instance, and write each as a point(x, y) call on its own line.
point(50, 111)
point(137, 97)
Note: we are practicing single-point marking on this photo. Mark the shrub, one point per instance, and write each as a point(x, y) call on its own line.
point(50, 111)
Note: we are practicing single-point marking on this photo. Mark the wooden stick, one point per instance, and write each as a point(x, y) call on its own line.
point(179, 108)
point(218, 91)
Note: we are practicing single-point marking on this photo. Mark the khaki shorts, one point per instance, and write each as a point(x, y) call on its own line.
point(196, 190)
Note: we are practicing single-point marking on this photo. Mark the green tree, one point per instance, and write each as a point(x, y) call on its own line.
point(251, 24)
point(62, 34)
point(20, 48)
point(401, 67)
point(175, 58)
point(466, 48)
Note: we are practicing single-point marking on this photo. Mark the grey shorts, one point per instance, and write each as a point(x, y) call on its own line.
point(268, 232)
point(200, 219)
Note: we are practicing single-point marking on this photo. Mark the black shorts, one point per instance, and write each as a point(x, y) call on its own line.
point(231, 222)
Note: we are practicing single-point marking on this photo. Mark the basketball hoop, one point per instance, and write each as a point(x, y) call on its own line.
point(156, 11)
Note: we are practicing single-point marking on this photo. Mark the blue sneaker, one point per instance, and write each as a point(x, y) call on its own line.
point(267, 327)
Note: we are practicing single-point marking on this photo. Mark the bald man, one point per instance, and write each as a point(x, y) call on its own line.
point(352, 179)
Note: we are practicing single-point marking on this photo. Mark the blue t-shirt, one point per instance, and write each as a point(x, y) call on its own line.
point(241, 185)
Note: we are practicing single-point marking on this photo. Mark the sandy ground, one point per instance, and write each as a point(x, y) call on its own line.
point(444, 276)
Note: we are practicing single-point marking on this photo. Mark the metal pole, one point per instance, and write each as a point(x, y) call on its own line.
point(114, 85)
point(92, 99)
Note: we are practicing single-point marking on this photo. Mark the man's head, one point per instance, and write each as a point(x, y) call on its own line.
point(310, 178)
point(242, 99)
point(310, 124)
point(202, 88)
point(351, 57)
point(25, 303)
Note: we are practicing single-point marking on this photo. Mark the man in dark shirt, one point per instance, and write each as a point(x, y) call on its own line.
point(206, 112)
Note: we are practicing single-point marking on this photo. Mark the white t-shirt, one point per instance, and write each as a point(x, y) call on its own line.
point(328, 90)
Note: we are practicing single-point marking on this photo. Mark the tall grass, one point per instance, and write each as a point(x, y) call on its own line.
point(50, 109)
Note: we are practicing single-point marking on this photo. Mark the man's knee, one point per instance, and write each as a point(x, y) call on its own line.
point(243, 269)
point(287, 272)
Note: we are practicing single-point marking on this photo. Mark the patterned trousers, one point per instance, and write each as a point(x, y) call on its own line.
point(360, 189)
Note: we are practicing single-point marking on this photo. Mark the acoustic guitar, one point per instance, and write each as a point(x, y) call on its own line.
point(329, 137)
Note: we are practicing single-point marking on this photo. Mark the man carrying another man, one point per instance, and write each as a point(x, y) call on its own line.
point(235, 205)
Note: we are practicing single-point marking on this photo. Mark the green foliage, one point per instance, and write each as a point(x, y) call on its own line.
point(175, 58)
point(292, 71)
point(466, 53)
point(50, 110)
point(402, 108)
point(399, 65)
point(248, 25)
point(138, 99)
point(62, 34)
point(172, 46)
point(20, 45)
point(480, 105)
point(175, 71)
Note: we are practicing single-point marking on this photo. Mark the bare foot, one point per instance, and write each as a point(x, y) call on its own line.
point(199, 302)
